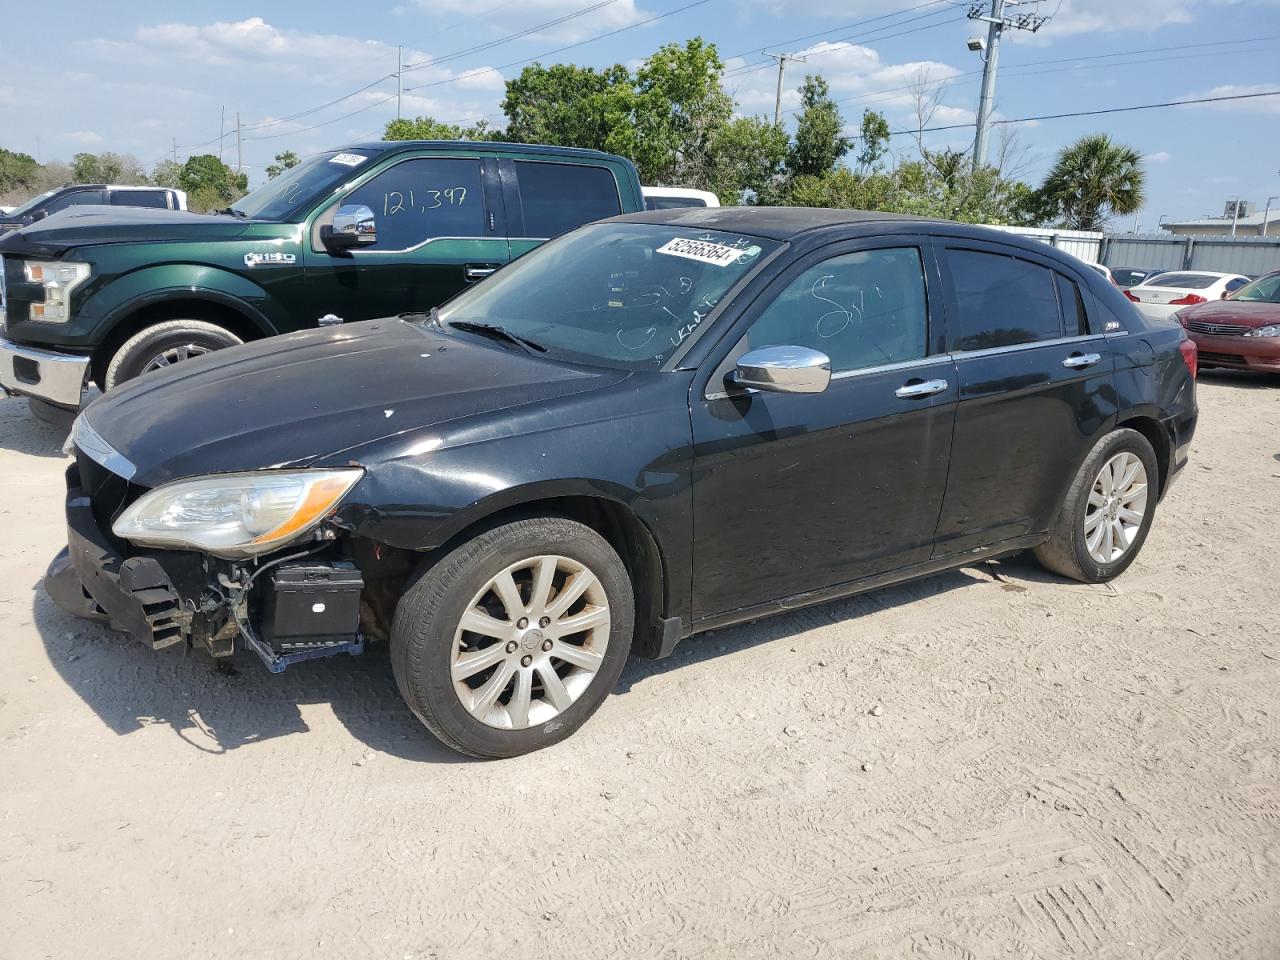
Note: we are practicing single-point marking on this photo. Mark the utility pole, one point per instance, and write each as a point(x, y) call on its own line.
point(1235, 214)
point(175, 149)
point(238, 155)
point(399, 78)
point(782, 59)
point(222, 127)
point(996, 23)
point(1266, 214)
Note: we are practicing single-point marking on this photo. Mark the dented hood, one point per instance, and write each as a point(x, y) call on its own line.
point(288, 401)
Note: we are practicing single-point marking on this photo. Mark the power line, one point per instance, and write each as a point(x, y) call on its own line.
point(1092, 113)
point(843, 26)
point(570, 46)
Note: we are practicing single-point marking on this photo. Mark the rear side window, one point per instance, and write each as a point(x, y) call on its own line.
point(139, 198)
point(559, 197)
point(424, 199)
point(1001, 301)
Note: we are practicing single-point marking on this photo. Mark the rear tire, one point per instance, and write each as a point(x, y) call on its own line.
point(1107, 512)
point(163, 345)
point(549, 618)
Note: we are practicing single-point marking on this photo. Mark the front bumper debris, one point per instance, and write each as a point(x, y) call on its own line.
point(58, 378)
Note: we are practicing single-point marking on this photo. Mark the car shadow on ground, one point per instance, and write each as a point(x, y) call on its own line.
point(22, 432)
point(216, 709)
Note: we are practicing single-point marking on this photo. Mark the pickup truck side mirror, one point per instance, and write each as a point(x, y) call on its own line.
point(782, 370)
point(353, 226)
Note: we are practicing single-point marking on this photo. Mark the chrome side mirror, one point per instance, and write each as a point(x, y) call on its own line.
point(353, 226)
point(782, 370)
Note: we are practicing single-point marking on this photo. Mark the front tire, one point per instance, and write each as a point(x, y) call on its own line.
point(513, 640)
point(162, 346)
point(1107, 512)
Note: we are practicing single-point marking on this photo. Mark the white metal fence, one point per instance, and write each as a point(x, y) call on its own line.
point(1251, 256)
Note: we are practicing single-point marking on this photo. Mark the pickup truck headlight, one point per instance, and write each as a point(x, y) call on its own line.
point(1270, 330)
point(235, 515)
point(59, 278)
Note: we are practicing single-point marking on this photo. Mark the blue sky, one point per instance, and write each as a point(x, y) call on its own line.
point(132, 76)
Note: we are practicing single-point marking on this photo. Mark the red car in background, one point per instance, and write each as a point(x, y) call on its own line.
point(1241, 331)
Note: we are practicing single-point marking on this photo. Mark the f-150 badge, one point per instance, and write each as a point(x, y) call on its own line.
point(269, 259)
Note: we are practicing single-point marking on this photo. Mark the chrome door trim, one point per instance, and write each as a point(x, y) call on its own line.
point(1031, 345)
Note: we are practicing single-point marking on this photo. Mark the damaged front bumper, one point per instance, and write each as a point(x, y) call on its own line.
point(93, 579)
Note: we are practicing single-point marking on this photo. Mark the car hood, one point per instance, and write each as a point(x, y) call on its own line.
point(86, 225)
point(1252, 313)
point(290, 400)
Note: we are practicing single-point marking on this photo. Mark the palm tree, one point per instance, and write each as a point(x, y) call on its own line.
point(1093, 180)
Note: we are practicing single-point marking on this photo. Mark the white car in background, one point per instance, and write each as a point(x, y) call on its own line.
point(670, 198)
point(1162, 296)
point(1101, 269)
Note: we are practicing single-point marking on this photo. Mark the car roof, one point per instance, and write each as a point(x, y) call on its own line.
point(494, 146)
point(774, 223)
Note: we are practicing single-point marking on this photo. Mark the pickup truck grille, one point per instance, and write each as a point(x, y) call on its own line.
point(1218, 329)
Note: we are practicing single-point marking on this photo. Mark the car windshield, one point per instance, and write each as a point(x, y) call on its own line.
point(622, 295)
point(31, 204)
point(1185, 281)
point(293, 190)
point(1263, 290)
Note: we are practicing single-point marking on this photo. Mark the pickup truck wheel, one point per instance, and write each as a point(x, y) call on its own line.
point(164, 345)
point(1107, 512)
point(511, 641)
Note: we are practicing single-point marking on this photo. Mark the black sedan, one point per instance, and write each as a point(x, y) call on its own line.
point(650, 427)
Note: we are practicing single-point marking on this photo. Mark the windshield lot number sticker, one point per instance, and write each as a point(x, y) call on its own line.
point(704, 251)
point(348, 159)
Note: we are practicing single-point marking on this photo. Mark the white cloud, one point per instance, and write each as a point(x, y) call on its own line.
point(1160, 156)
point(1269, 105)
point(87, 137)
point(512, 17)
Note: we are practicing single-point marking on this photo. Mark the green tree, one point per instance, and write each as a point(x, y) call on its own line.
point(284, 161)
point(680, 109)
point(210, 183)
point(1093, 180)
point(571, 106)
point(122, 168)
point(820, 142)
point(17, 170)
point(872, 141)
point(167, 173)
point(428, 128)
point(747, 158)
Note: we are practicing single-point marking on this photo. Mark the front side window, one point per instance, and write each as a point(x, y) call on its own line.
point(1263, 290)
point(622, 295)
point(75, 199)
point(1000, 301)
point(559, 197)
point(863, 309)
point(424, 199)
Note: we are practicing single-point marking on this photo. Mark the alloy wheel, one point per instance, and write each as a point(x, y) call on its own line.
point(530, 642)
point(1116, 508)
point(174, 355)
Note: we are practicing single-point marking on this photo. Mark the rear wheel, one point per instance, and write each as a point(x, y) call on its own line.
point(511, 641)
point(1107, 513)
point(163, 345)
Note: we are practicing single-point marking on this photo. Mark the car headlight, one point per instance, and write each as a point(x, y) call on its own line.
point(58, 278)
point(235, 515)
point(1270, 330)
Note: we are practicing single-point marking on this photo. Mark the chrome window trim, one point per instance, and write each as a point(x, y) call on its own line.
point(850, 374)
point(1029, 345)
point(419, 246)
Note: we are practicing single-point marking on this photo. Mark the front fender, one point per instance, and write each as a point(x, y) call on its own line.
point(149, 286)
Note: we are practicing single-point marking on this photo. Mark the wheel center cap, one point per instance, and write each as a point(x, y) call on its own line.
point(531, 640)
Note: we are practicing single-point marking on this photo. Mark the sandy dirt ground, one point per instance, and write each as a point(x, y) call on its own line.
point(993, 763)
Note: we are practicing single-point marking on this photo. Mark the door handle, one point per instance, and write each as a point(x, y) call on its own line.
point(920, 388)
point(1077, 360)
point(474, 272)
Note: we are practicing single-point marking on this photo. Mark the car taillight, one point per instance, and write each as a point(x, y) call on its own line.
point(1190, 300)
point(1130, 295)
point(1190, 356)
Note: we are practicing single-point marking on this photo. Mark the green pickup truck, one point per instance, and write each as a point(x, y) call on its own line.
point(106, 294)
